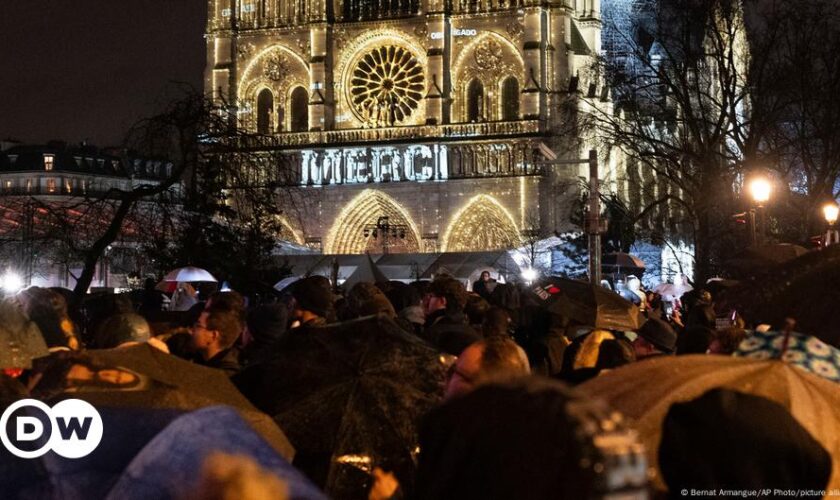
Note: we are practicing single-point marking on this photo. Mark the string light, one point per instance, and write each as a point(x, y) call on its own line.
point(347, 233)
point(481, 224)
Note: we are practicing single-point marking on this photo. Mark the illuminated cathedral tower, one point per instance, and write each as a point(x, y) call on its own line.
point(434, 114)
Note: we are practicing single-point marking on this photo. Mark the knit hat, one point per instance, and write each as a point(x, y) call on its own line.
point(660, 334)
point(311, 294)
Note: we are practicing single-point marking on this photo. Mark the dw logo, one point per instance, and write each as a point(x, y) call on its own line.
point(30, 428)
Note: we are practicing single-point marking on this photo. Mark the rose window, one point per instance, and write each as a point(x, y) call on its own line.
point(386, 86)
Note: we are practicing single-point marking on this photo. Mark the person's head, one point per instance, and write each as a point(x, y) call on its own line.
point(727, 340)
point(403, 296)
point(48, 310)
point(529, 438)
point(489, 360)
point(496, 323)
point(655, 337)
point(122, 329)
point(613, 353)
point(731, 440)
point(230, 300)
point(267, 323)
point(313, 299)
point(695, 339)
point(476, 309)
point(365, 299)
point(446, 294)
point(485, 276)
point(216, 330)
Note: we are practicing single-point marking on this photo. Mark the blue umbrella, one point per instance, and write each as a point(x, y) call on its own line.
point(803, 351)
point(169, 466)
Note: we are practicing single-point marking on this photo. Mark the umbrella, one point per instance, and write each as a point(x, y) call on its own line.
point(671, 291)
point(20, 339)
point(803, 351)
point(190, 274)
point(349, 396)
point(167, 381)
point(622, 260)
point(169, 465)
point(146, 453)
point(285, 283)
point(588, 304)
point(813, 401)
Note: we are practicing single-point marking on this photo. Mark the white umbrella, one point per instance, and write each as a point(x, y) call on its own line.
point(672, 291)
point(285, 282)
point(190, 274)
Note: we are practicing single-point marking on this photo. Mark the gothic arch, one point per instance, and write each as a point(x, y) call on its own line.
point(278, 69)
point(347, 233)
point(481, 224)
point(490, 58)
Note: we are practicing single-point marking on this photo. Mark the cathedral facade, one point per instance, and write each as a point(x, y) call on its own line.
point(410, 125)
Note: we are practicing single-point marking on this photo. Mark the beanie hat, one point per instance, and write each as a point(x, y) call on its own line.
point(311, 294)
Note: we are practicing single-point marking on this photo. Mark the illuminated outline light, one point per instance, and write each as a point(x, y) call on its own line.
point(346, 236)
point(479, 215)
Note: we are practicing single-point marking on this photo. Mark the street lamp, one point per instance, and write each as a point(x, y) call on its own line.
point(831, 211)
point(760, 189)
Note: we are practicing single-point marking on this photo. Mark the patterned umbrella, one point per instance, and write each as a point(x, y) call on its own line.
point(645, 391)
point(803, 351)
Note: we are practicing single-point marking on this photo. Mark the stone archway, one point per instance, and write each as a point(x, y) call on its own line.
point(347, 235)
point(481, 224)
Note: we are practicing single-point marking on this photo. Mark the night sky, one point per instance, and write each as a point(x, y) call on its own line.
point(78, 70)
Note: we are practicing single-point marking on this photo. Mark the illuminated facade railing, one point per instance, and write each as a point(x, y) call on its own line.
point(486, 130)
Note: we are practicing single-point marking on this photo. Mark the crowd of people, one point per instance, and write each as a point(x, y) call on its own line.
point(508, 420)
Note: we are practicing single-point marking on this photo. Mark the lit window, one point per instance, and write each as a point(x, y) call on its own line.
point(13, 159)
point(51, 185)
point(8, 185)
point(49, 161)
point(68, 186)
point(225, 12)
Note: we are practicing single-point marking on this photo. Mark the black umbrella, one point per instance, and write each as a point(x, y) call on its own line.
point(20, 339)
point(588, 304)
point(349, 396)
point(622, 260)
point(146, 377)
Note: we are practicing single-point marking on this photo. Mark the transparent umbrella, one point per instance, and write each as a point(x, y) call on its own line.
point(190, 274)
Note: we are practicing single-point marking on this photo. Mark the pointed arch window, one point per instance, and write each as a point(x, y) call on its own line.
point(299, 110)
point(475, 101)
point(510, 99)
point(265, 104)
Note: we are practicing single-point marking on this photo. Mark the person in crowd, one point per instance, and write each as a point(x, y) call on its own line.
point(123, 330)
point(695, 339)
point(476, 310)
point(727, 340)
point(151, 302)
point(267, 324)
point(543, 336)
point(734, 441)
point(490, 360)
point(408, 303)
point(614, 353)
point(446, 324)
point(48, 310)
point(484, 286)
point(496, 323)
point(184, 298)
point(655, 338)
point(365, 299)
point(507, 296)
point(313, 303)
point(655, 306)
point(213, 337)
point(521, 440)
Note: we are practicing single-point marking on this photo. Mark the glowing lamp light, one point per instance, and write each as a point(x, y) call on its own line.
point(11, 282)
point(760, 189)
point(530, 274)
point(831, 211)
